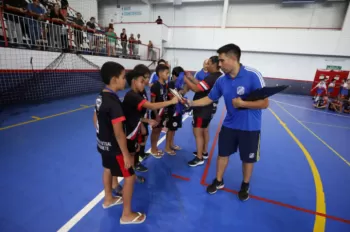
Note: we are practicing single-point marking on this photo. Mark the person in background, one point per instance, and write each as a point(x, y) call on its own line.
point(154, 77)
point(124, 40)
point(111, 41)
point(15, 10)
point(64, 7)
point(137, 44)
point(78, 25)
point(203, 73)
point(131, 44)
point(151, 55)
point(175, 112)
point(159, 20)
point(91, 29)
point(55, 29)
point(203, 115)
point(37, 13)
point(321, 99)
point(159, 93)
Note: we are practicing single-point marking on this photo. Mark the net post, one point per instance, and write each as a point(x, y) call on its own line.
point(3, 26)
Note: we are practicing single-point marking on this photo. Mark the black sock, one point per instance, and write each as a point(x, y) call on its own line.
point(142, 151)
point(244, 185)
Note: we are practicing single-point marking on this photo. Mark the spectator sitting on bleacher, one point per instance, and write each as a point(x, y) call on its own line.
point(91, 29)
point(78, 25)
point(37, 13)
point(14, 11)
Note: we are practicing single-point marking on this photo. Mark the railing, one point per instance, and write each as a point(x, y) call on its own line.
point(29, 31)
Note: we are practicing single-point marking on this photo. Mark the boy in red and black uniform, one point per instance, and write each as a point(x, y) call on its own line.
point(203, 115)
point(174, 114)
point(133, 106)
point(109, 120)
point(159, 93)
point(143, 69)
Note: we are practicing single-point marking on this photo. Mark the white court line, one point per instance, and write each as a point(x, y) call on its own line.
point(305, 108)
point(87, 208)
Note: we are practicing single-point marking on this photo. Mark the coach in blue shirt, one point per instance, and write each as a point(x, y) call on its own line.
point(241, 128)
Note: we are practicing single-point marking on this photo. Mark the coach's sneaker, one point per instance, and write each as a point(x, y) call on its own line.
point(243, 194)
point(118, 191)
point(205, 155)
point(213, 188)
point(195, 162)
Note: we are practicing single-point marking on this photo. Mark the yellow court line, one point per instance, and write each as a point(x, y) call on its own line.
point(37, 119)
point(323, 124)
point(313, 133)
point(320, 222)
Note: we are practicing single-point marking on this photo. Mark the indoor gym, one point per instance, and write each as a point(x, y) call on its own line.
point(52, 174)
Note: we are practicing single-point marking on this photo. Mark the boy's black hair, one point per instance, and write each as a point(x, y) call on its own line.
point(132, 75)
point(109, 70)
point(161, 61)
point(161, 68)
point(141, 68)
point(177, 70)
point(230, 49)
point(215, 60)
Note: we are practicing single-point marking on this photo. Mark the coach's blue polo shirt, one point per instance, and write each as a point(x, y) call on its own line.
point(200, 75)
point(246, 81)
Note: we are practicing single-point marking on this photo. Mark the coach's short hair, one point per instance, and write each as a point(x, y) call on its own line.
point(230, 49)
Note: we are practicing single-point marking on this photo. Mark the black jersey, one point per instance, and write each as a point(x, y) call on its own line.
point(109, 111)
point(160, 92)
point(144, 110)
point(132, 106)
point(205, 86)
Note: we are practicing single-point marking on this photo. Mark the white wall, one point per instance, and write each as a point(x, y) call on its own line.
point(19, 59)
point(88, 8)
point(284, 66)
point(109, 13)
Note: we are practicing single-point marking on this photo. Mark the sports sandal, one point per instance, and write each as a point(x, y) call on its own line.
point(176, 148)
point(135, 221)
point(172, 152)
point(159, 154)
point(117, 202)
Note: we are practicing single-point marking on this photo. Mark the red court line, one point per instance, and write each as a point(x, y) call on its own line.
point(205, 173)
point(206, 169)
point(180, 177)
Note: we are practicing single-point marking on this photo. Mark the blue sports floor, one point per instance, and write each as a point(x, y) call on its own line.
point(51, 175)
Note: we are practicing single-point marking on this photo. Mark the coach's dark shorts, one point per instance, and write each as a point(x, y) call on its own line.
point(115, 163)
point(248, 143)
point(173, 123)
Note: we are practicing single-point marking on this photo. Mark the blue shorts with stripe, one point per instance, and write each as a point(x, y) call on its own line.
point(247, 142)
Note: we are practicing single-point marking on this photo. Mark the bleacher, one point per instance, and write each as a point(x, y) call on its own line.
point(54, 35)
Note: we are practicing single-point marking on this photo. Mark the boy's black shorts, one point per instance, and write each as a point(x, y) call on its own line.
point(173, 123)
point(199, 122)
point(115, 163)
point(132, 144)
point(248, 143)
